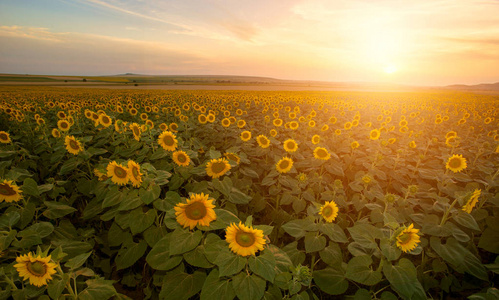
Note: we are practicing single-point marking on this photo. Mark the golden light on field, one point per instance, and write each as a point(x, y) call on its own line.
point(390, 69)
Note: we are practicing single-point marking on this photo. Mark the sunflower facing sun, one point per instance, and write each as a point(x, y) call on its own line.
point(197, 211)
point(217, 167)
point(9, 191)
point(329, 211)
point(244, 240)
point(119, 174)
point(37, 269)
point(168, 141)
point(456, 163)
point(408, 238)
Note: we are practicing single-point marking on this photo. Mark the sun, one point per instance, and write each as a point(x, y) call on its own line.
point(390, 69)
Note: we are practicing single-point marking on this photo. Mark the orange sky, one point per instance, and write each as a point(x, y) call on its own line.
point(419, 42)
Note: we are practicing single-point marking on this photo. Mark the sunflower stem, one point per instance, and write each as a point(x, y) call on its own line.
point(68, 284)
point(9, 281)
point(445, 216)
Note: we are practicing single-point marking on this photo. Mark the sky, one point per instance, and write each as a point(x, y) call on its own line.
point(425, 42)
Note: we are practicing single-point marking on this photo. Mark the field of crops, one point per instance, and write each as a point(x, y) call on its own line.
point(225, 194)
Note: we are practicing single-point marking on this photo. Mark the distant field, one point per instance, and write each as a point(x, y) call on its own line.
point(26, 78)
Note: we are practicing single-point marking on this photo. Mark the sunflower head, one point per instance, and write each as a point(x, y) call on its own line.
point(263, 141)
point(290, 145)
point(245, 136)
point(329, 211)
point(135, 128)
point(472, 201)
point(181, 158)
point(354, 145)
point(321, 153)
point(4, 137)
point(217, 167)
point(233, 157)
point(134, 173)
point(37, 269)
point(63, 125)
point(244, 240)
point(316, 139)
point(284, 165)
point(197, 211)
point(225, 122)
point(456, 163)
point(73, 145)
point(168, 141)
point(374, 134)
point(105, 120)
point(408, 238)
point(9, 191)
point(119, 174)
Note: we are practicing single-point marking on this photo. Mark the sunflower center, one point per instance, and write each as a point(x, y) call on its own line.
point(195, 211)
point(74, 145)
point(218, 167)
point(168, 140)
point(321, 153)
point(64, 125)
point(290, 145)
point(135, 172)
point(327, 211)
point(6, 190)
point(37, 268)
point(455, 163)
point(245, 239)
point(120, 172)
point(135, 130)
point(404, 238)
point(181, 158)
point(284, 164)
point(3, 136)
point(105, 120)
point(263, 141)
point(246, 136)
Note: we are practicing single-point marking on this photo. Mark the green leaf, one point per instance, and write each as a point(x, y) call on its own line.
point(334, 232)
point(229, 263)
point(214, 288)
point(113, 197)
point(263, 265)
point(185, 240)
point(314, 242)
point(366, 235)
point(30, 187)
point(248, 287)
point(140, 220)
point(389, 251)
point(238, 197)
point(282, 260)
point(358, 270)
point(97, 289)
point(69, 165)
point(197, 258)
point(131, 201)
point(466, 220)
point(57, 286)
point(9, 219)
point(403, 279)
point(459, 257)
point(489, 240)
point(331, 281)
point(128, 256)
point(224, 219)
point(57, 210)
point(181, 286)
point(77, 261)
point(41, 229)
point(299, 227)
point(152, 193)
point(331, 255)
point(159, 257)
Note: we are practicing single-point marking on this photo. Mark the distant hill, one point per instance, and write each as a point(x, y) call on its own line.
point(479, 87)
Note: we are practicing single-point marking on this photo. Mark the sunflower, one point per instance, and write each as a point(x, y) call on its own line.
point(273, 132)
point(105, 120)
point(408, 238)
point(56, 133)
point(412, 144)
point(73, 145)
point(290, 145)
point(197, 211)
point(232, 156)
point(100, 175)
point(211, 118)
point(134, 173)
point(173, 127)
point(241, 123)
point(472, 201)
point(37, 269)
point(325, 127)
point(217, 167)
point(293, 125)
point(311, 123)
point(284, 165)
point(119, 174)
point(366, 179)
point(456, 163)
point(354, 145)
point(329, 211)
point(9, 191)
point(277, 122)
point(225, 122)
point(135, 128)
point(181, 158)
point(374, 134)
point(263, 141)
point(244, 240)
point(63, 125)
point(245, 136)
point(4, 137)
point(347, 125)
point(450, 134)
point(321, 153)
point(168, 141)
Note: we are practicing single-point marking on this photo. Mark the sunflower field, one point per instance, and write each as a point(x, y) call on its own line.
point(155, 194)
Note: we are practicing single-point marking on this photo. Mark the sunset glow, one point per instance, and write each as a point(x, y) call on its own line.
point(421, 43)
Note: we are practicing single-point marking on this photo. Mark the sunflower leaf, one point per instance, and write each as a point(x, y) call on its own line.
point(216, 288)
point(263, 265)
point(185, 241)
point(248, 287)
point(159, 257)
